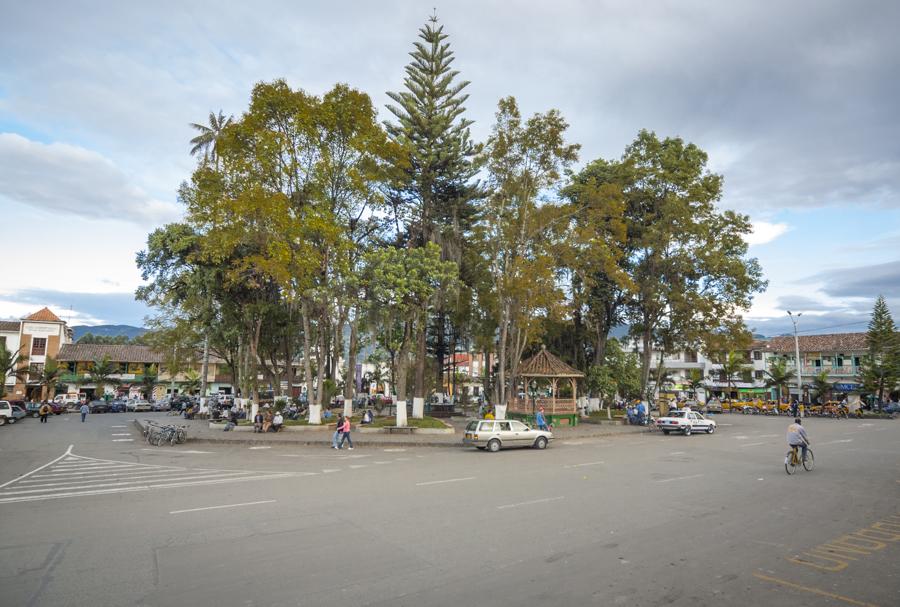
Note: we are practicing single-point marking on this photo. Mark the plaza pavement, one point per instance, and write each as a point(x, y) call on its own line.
point(627, 519)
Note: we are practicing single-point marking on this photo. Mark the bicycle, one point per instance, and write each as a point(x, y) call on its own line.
point(792, 460)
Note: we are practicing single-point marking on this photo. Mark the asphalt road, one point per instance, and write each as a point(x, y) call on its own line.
point(630, 520)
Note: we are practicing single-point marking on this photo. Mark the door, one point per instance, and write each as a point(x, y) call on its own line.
point(521, 434)
point(507, 436)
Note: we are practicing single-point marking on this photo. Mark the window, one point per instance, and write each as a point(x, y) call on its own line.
point(35, 369)
point(818, 363)
point(504, 426)
point(690, 356)
point(839, 361)
point(758, 374)
point(757, 355)
point(856, 361)
point(38, 346)
point(518, 426)
point(487, 427)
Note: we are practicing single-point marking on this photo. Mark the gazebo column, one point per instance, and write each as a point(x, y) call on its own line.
point(553, 395)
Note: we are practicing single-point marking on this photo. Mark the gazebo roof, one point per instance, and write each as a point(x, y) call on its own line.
point(544, 364)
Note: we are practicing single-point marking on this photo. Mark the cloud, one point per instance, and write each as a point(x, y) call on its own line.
point(868, 281)
point(764, 232)
point(76, 308)
point(808, 324)
point(65, 178)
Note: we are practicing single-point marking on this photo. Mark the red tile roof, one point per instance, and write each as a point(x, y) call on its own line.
point(832, 342)
point(116, 353)
point(9, 326)
point(44, 315)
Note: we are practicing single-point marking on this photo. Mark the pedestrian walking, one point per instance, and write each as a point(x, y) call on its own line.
point(84, 411)
point(539, 420)
point(337, 432)
point(44, 411)
point(345, 434)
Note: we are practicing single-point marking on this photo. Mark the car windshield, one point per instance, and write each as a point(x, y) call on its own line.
point(676, 414)
point(471, 426)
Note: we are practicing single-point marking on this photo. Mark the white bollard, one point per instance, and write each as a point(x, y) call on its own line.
point(401, 413)
point(315, 414)
point(418, 411)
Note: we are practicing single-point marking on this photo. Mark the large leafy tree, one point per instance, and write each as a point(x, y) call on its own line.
point(687, 259)
point(880, 370)
point(520, 237)
point(431, 195)
point(206, 141)
point(733, 367)
point(12, 364)
point(102, 372)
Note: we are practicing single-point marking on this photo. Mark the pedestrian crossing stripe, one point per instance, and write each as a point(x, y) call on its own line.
point(73, 475)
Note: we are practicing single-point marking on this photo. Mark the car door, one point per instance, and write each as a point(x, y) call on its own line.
point(506, 434)
point(521, 433)
point(697, 422)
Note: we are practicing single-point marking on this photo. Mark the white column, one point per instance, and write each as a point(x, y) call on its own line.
point(418, 411)
point(348, 407)
point(401, 413)
point(315, 414)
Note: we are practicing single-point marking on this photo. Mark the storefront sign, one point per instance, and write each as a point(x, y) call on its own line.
point(846, 387)
point(40, 330)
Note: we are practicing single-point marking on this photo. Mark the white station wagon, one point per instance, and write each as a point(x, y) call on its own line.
point(494, 434)
point(685, 422)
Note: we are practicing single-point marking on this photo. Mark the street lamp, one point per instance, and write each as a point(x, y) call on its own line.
point(532, 389)
point(797, 354)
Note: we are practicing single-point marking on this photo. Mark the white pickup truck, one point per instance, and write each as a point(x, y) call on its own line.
point(685, 422)
point(6, 413)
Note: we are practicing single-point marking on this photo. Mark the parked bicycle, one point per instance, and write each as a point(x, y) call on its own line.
point(157, 434)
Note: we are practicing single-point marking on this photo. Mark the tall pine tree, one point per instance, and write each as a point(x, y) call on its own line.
point(432, 194)
point(880, 370)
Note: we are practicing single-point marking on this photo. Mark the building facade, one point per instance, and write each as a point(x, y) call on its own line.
point(36, 338)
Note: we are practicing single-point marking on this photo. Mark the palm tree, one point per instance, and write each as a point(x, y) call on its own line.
point(49, 376)
point(822, 386)
point(695, 380)
point(101, 374)
point(149, 380)
point(733, 365)
point(779, 376)
point(11, 365)
point(206, 141)
point(191, 381)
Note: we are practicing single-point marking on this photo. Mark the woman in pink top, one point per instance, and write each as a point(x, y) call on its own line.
point(345, 434)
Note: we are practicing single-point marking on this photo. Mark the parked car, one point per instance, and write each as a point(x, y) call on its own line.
point(17, 413)
point(117, 406)
point(494, 435)
point(713, 406)
point(139, 405)
point(161, 405)
point(686, 422)
point(6, 413)
point(891, 408)
point(99, 406)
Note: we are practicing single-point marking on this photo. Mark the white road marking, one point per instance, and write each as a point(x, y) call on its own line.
point(677, 453)
point(394, 450)
point(449, 480)
point(118, 426)
point(255, 448)
point(752, 444)
point(27, 474)
point(528, 503)
point(123, 440)
point(573, 442)
point(768, 435)
point(843, 440)
point(329, 470)
point(193, 452)
point(381, 462)
point(679, 478)
point(741, 437)
point(123, 434)
point(356, 466)
point(288, 455)
point(584, 464)
point(224, 506)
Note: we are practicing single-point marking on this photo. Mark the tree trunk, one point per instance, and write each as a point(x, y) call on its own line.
point(350, 387)
point(307, 357)
point(402, 368)
point(321, 353)
point(501, 359)
point(646, 356)
point(419, 394)
point(204, 368)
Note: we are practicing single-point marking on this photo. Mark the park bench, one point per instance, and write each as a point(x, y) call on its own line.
point(399, 429)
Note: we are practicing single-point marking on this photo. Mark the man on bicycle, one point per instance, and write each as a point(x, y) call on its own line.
point(796, 437)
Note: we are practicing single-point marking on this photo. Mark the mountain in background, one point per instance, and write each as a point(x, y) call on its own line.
point(108, 330)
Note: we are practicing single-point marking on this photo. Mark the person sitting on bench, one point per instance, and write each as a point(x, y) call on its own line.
point(277, 422)
point(258, 422)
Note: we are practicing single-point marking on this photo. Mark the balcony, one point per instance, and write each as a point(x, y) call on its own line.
point(845, 371)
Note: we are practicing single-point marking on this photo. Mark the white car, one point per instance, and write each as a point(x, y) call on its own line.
point(139, 405)
point(686, 422)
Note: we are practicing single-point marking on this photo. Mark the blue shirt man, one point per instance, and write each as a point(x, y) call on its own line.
point(84, 411)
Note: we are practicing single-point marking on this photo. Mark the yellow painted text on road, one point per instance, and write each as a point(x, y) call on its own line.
point(838, 553)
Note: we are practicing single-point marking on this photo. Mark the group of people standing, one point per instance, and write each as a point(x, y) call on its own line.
point(342, 432)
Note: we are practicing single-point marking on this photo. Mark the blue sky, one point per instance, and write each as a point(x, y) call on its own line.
point(794, 102)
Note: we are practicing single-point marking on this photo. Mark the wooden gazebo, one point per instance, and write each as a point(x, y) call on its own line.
point(546, 366)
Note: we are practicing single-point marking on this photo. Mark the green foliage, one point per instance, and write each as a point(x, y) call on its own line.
point(619, 374)
point(779, 375)
point(149, 381)
point(880, 368)
point(821, 386)
point(12, 364)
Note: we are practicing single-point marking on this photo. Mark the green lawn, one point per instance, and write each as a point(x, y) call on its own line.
point(426, 422)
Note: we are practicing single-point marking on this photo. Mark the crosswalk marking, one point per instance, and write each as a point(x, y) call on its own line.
point(73, 475)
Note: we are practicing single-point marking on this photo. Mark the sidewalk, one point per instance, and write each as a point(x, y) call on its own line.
point(199, 432)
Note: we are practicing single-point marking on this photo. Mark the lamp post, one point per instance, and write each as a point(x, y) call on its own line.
point(532, 390)
point(797, 354)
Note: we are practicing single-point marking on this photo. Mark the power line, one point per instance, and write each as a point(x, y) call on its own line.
point(848, 324)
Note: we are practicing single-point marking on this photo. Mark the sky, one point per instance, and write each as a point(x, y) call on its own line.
point(795, 103)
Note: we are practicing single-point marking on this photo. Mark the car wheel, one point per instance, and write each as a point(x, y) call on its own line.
point(687, 431)
point(711, 429)
point(493, 445)
point(540, 443)
point(2, 420)
point(666, 432)
point(12, 421)
point(35, 415)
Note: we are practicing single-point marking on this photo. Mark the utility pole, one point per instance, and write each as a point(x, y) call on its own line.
point(797, 354)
